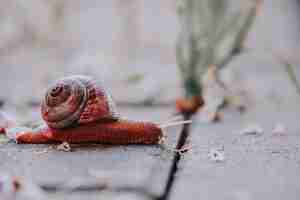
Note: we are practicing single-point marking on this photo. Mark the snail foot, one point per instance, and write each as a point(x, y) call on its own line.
point(27, 135)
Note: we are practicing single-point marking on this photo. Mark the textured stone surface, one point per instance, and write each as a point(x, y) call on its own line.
point(262, 165)
point(140, 166)
point(132, 50)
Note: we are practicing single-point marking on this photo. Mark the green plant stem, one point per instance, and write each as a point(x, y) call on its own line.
point(292, 75)
point(192, 87)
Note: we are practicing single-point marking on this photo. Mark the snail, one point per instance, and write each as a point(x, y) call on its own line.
point(78, 109)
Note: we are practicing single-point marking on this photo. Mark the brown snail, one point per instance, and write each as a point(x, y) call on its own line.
point(78, 109)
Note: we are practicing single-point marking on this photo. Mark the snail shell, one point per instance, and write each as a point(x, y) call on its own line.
point(77, 100)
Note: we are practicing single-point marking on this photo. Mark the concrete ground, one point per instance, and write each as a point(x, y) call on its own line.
point(224, 161)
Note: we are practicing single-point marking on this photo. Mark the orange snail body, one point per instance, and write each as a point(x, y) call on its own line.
point(78, 109)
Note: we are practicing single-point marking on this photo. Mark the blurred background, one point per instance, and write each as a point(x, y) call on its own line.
point(130, 45)
point(116, 41)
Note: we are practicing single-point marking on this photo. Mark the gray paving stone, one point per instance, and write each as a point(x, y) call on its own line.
point(131, 166)
point(255, 166)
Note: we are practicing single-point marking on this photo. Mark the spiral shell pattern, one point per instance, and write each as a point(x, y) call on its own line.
point(77, 100)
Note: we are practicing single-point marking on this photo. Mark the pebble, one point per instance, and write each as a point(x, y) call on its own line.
point(217, 155)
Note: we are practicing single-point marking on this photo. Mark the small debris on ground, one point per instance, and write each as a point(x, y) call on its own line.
point(279, 129)
point(65, 146)
point(252, 129)
point(217, 155)
point(185, 148)
point(17, 188)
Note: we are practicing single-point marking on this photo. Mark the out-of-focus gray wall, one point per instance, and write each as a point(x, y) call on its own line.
point(42, 40)
point(127, 44)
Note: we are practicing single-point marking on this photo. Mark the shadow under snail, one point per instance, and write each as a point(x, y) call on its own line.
point(78, 109)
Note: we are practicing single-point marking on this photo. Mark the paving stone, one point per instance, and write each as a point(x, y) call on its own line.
point(142, 166)
point(255, 166)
